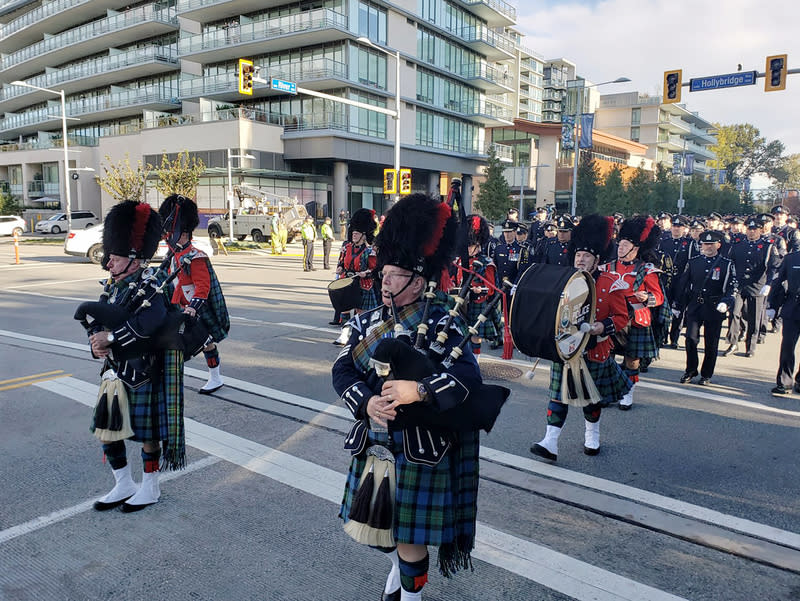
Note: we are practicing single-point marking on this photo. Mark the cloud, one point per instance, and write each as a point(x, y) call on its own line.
point(641, 39)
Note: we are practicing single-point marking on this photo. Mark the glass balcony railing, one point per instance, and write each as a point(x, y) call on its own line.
point(485, 71)
point(497, 5)
point(129, 18)
point(323, 18)
point(44, 144)
point(504, 152)
point(137, 56)
point(38, 188)
point(37, 14)
point(481, 33)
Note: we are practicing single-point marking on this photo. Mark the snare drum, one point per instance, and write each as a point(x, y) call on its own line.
point(345, 294)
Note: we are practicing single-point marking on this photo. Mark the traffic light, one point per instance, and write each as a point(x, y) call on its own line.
point(672, 86)
point(389, 181)
point(246, 70)
point(405, 181)
point(775, 73)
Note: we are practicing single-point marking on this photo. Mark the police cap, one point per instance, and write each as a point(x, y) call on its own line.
point(711, 236)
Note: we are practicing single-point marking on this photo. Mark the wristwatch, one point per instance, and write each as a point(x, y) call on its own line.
point(422, 392)
point(111, 337)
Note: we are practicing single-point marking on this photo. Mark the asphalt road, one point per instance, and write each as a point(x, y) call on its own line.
point(694, 494)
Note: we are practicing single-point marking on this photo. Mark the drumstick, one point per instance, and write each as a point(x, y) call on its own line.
point(529, 373)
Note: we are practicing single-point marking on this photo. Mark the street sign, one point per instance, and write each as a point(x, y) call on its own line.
point(280, 85)
point(730, 80)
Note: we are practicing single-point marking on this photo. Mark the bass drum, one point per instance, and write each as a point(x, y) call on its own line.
point(345, 294)
point(547, 310)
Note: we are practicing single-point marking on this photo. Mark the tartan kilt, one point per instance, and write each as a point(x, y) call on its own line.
point(148, 403)
point(611, 381)
point(369, 300)
point(641, 343)
point(488, 329)
point(214, 312)
point(433, 505)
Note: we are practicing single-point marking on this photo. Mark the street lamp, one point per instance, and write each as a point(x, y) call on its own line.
point(578, 109)
point(396, 54)
point(230, 187)
point(67, 199)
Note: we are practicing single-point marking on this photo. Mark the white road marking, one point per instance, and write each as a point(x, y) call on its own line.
point(300, 340)
point(537, 563)
point(50, 283)
point(744, 526)
point(50, 296)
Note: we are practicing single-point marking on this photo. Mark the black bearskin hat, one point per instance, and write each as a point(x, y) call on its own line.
point(131, 229)
point(363, 220)
point(419, 234)
point(478, 230)
point(593, 234)
point(179, 215)
point(642, 231)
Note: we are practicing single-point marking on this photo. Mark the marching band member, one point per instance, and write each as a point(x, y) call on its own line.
point(151, 382)
point(591, 240)
point(197, 292)
point(637, 239)
point(432, 471)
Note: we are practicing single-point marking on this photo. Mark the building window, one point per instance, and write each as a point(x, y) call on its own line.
point(372, 22)
point(635, 133)
point(636, 116)
point(372, 68)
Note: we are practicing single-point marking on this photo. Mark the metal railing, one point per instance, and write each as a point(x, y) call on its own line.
point(323, 18)
point(129, 18)
point(497, 5)
point(481, 33)
point(46, 143)
point(504, 152)
point(485, 71)
point(37, 14)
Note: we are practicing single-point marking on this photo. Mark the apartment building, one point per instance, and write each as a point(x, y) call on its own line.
point(145, 78)
point(666, 129)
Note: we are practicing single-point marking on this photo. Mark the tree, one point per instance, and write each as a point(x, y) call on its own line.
point(788, 175)
point(9, 205)
point(588, 183)
point(611, 196)
point(122, 182)
point(639, 192)
point(180, 176)
point(742, 151)
point(493, 196)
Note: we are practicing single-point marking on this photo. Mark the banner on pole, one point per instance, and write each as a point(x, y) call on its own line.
point(688, 166)
point(676, 164)
point(587, 122)
point(721, 176)
point(567, 132)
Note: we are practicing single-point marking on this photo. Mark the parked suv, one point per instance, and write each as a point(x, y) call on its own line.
point(11, 224)
point(58, 222)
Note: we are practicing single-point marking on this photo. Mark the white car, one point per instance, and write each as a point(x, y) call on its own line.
point(11, 224)
point(89, 243)
point(57, 223)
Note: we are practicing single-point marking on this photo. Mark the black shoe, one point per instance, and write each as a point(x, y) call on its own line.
point(760, 340)
point(494, 345)
point(337, 343)
point(731, 349)
point(102, 506)
point(672, 345)
point(125, 508)
point(750, 354)
point(540, 451)
point(395, 596)
point(334, 323)
point(796, 388)
point(779, 389)
point(687, 377)
point(704, 381)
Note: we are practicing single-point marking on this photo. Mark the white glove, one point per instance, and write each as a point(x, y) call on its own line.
point(676, 313)
point(770, 314)
point(765, 290)
point(722, 308)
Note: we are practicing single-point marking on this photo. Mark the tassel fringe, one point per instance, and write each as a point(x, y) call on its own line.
point(117, 418)
point(371, 517)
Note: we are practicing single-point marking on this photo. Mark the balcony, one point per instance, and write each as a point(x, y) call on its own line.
point(674, 125)
point(107, 70)
point(702, 153)
point(116, 30)
point(38, 189)
point(317, 74)
point(488, 78)
point(207, 11)
point(58, 15)
point(114, 105)
point(504, 152)
point(484, 112)
point(491, 44)
point(495, 12)
point(702, 135)
point(671, 143)
point(260, 37)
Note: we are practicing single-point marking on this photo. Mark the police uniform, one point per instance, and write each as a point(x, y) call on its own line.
point(506, 255)
point(789, 234)
point(707, 282)
point(784, 297)
point(526, 251)
point(678, 250)
point(555, 252)
point(756, 263)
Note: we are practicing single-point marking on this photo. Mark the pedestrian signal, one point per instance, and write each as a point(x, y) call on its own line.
point(405, 181)
point(246, 71)
point(672, 86)
point(776, 71)
point(389, 181)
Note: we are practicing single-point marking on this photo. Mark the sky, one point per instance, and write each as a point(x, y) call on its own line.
point(641, 39)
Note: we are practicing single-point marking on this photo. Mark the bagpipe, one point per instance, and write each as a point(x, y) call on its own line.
point(179, 331)
point(400, 358)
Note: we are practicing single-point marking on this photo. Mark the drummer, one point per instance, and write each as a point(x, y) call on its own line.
point(590, 243)
point(357, 258)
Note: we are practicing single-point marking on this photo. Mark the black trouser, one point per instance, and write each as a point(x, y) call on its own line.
point(748, 314)
point(326, 249)
point(712, 326)
point(308, 254)
point(675, 328)
point(790, 332)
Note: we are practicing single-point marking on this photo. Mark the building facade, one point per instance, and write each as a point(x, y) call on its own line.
point(142, 79)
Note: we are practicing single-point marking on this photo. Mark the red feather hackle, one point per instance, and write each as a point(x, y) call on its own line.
point(610, 225)
point(443, 214)
point(476, 223)
point(647, 229)
point(141, 216)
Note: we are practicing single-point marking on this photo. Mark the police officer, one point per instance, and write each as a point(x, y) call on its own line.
point(506, 253)
point(756, 262)
point(696, 229)
point(526, 249)
point(784, 297)
point(707, 290)
point(790, 235)
point(556, 250)
point(736, 231)
point(537, 226)
point(664, 221)
point(676, 247)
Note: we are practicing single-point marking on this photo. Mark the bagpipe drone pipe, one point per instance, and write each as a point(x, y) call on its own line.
point(398, 358)
point(179, 331)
